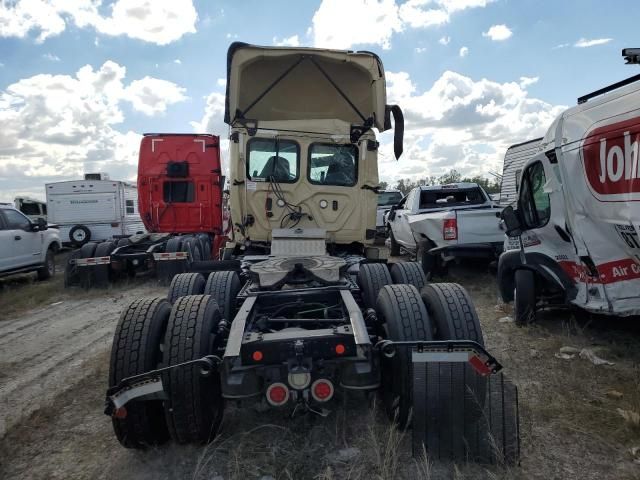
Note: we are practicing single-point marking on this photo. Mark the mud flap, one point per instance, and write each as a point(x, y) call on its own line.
point(451, 424)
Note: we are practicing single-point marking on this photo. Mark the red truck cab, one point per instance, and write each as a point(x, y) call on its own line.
point(180, 183)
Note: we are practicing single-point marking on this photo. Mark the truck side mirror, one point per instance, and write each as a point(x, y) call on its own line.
point(392, 212)
point(512, 222)
point(42, 224)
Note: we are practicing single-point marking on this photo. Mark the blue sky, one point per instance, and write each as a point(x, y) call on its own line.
point(81, 80)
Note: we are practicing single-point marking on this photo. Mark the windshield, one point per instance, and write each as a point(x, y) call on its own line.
point(451, 198)
point(388, 199)
point(331, 164)
point(273, 159)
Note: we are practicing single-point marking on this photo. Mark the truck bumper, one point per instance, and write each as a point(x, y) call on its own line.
point(470, 250)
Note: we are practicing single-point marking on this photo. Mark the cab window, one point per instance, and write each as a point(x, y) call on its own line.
point(272, 160)
point(178, 192)
point(331, 164)
point(389, 199)
point(535, 203)
point(30, 208)
point(15, 220)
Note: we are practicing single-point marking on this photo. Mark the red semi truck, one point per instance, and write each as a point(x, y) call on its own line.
point(180, 198)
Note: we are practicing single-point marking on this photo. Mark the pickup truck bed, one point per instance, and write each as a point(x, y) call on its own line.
point(461, 221)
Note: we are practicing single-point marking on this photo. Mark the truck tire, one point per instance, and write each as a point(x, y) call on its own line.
point(394, 249)
point(79, 235)
point(524, 303)
point(454, 317)
point(194, 404)
point(224, 288)
point(371, 278)
point(408, 273)
point(71, 273)
point(405, 317)
point(167, 269)
point(102, 273)
point(48, 270)
point(205, 246)
point(430, 263)
point(185, 284)
point(137, 349)
point(192, 245)
point(86, 274)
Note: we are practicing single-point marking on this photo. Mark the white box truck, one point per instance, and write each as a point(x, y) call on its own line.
point(93, 209)
point(578, 211)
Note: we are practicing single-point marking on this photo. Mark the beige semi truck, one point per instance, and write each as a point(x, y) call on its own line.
point(306, 311)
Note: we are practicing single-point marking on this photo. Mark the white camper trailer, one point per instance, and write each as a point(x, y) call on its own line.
point(516, 157)
point(578, 211)
point(93, 209)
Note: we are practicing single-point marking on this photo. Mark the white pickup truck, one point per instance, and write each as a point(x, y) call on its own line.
point(443, 222)
point(26, 246)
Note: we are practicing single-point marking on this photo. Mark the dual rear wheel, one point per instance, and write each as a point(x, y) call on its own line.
point(158, 332)
point(453, 412)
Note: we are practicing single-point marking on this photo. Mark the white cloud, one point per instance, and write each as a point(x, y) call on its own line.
point(584, 43)
point(498, 33)
point(152, 95)
point(420, 49)
point(464, 51)
point(340, 24)
point(212, 122)
point(155, 21)
point(56, 127)
point(461, 123)
point(177, 61)
point(444, 40)
point(526, 81)
point(51, 57)
point(221, 82)
point(292, 41)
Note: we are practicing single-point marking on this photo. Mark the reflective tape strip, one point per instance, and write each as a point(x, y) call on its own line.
point(474, 360)
point(440, 357)
point(150, 386)
point(158, 257)
point(87, 262)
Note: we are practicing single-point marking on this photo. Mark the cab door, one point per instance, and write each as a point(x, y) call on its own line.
point(543, 211)
point(25, 244)
point(400, 224)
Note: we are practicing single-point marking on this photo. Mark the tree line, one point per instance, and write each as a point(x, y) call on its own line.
point(406, 184)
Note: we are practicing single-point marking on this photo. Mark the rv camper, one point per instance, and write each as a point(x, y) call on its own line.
point(93, 209)
point(516, 157)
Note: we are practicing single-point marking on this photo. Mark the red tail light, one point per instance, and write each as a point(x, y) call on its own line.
point(277, 394)
point(450, 229)
point(322, 390)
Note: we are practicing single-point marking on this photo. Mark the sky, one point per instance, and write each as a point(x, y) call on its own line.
point(81, 80)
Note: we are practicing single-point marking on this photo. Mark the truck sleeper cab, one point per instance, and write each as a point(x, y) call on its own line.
point(180, 202)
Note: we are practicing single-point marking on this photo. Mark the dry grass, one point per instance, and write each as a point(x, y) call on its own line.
point(19, 293)
point(570, 427)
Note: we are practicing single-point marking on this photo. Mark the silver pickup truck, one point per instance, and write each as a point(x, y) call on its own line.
point(442, 222)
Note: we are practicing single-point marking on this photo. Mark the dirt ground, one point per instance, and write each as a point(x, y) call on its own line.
point(53, 370)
